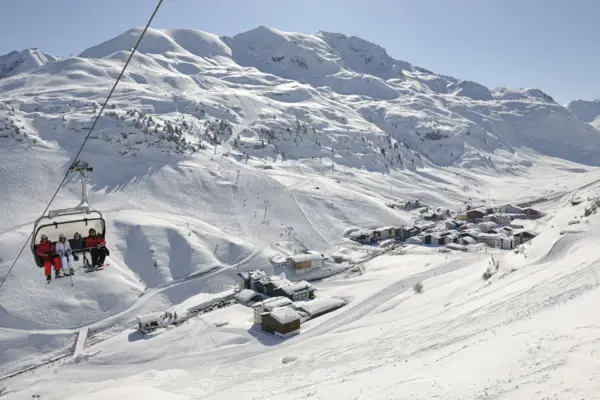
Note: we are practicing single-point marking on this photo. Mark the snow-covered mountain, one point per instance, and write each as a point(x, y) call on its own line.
point(213, 149)
point(587, 111)
point(18, 62)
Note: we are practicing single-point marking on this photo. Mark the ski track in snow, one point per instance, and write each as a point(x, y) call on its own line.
point(268, 107)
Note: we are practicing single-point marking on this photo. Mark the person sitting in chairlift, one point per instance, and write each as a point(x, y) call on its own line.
point(97, 247)
point(77, 245)
point(63, 248)
point(45, 250)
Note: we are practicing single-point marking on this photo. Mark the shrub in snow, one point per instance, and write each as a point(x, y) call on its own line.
point(418, 288)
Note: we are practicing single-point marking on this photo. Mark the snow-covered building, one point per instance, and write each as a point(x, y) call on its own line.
point(247, 296)
point(305, 262)
point(497, 240)
point(296, 290)
point(282, 322)
point(268, 305)
point(318, 307)
point(247, 279)
point(150, 322)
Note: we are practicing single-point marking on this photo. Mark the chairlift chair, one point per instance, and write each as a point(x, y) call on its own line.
point(69, 220)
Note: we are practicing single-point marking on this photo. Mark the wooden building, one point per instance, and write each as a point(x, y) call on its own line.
point(282, 322)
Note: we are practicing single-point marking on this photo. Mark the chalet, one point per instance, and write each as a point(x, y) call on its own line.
point(422, 225)
point(510, 209)
point(532, 213)
point(305, 262)
point(296, 291)
point(467, 240)
point(247, 279)
point(268, 305)
point(461, 217)
point(407, 232)
point(475, 215)
point(486, 226)
point(384, 233)
point(282, 322)
point(414, 240)
point(150, 322)
point(451, 224)
point(318, 307)
point(522, 236)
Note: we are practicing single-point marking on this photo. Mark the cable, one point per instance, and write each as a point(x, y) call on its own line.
point(88, 134)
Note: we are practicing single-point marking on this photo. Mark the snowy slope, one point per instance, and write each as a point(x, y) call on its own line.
point(212, 147)
point(586, 111)
point(18, 62)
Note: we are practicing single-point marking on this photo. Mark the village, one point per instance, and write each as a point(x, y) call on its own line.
point(278, 306)
point(496, 227)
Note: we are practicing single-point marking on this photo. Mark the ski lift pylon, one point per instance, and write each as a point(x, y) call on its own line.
point(80, 218)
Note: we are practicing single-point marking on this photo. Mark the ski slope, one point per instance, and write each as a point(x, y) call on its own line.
point(213, 147)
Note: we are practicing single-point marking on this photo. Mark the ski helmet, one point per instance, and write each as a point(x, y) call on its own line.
point(62, 237)
point(44, 237)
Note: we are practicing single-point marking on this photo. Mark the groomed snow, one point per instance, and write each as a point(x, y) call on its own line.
point(215, 147)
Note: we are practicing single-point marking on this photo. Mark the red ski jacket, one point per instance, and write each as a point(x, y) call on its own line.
point(45, 248)
point(92, 241)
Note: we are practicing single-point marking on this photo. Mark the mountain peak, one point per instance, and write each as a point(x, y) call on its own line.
point(17, 62)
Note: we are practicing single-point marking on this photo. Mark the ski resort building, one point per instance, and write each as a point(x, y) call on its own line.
point(305, 262)
point(268, 305)
point(282, 322)
point(150, 322)
point(247, 279)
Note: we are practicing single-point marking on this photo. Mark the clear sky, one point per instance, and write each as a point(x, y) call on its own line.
point(548, 44)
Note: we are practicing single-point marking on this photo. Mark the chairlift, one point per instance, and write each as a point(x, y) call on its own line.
point(80, 218)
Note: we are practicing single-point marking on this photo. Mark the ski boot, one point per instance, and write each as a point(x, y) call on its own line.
point(48, 278)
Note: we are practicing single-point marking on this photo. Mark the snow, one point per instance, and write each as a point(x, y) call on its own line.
point(215, 157)
point(285, 315)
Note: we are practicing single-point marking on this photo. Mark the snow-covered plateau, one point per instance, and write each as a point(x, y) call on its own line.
point(216, 154)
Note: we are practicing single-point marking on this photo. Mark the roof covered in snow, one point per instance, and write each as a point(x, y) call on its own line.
point(273, 302)
point(295, 287)
point(245, 295)
point(147, 318)
point(305, 257)
point(320, 305)
point(285, 315)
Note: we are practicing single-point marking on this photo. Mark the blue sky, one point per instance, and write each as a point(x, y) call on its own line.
point(548, 44)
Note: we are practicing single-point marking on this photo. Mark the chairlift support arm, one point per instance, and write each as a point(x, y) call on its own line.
point(83, 168)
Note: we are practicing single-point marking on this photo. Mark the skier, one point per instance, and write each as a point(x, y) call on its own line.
point(76, 245)
point(45, 250)
point(63, 248)
point(97, 247)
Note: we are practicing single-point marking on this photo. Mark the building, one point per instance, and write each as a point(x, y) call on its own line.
point(305, 262)
point(282, 322)
point(150, 322)
point(295, 291)
point(248, 279)
point(475, 215)
point(268, 305)
point(487, 226)
point(510, 209)
point(522, 236)
point(497, 240)
point(406, 232)
point(532, 213)
point(318, 307)
point(248, 296)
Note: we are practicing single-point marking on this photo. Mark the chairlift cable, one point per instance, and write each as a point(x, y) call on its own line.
point(87, 136)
